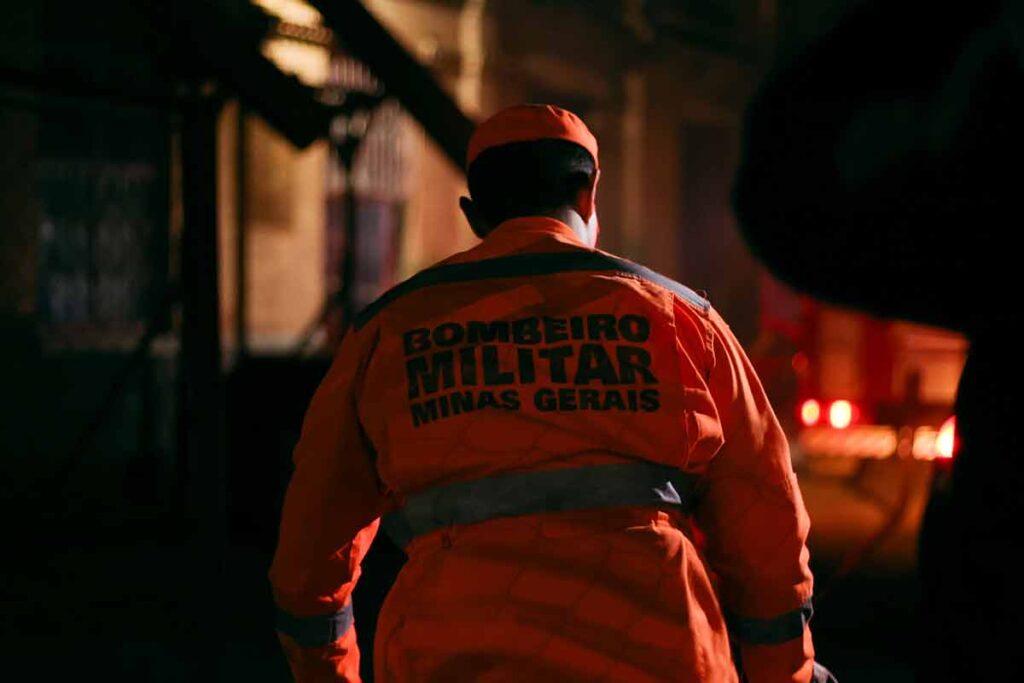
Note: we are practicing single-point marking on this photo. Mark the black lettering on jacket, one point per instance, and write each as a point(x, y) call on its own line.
point(431, 372)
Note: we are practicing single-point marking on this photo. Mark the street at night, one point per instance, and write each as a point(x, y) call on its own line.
point(864, 616)
point(863, 549)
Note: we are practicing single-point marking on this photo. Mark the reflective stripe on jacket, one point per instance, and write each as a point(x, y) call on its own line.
point(523, 357)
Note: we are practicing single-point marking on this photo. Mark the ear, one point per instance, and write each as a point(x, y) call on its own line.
point(476, 222)
point(586, 198)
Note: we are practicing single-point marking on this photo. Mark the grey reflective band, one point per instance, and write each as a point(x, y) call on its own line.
point(522, 265)
point(315, 631)
point(525, 493)
point(773, 631)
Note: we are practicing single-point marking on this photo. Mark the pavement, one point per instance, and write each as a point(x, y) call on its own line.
point(865, 516)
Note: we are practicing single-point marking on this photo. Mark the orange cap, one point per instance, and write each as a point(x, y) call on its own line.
point(526, 122)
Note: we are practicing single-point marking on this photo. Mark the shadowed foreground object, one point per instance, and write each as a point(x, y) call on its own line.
point(888, 182)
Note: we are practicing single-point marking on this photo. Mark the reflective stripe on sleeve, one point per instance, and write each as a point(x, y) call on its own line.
point(315, 631)
point(525, 493)
point(772, 631)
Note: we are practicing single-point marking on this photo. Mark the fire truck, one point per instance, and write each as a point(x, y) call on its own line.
point(850, 386)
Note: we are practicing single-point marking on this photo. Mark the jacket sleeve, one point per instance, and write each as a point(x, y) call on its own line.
point(330, 517)
point(755, 526)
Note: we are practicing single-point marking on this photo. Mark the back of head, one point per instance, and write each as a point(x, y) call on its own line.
point(528, 178)
point(529, 160)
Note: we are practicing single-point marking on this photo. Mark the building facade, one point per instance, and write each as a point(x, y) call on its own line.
point(663, 89)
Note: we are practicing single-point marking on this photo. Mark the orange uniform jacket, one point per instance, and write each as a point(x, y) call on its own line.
point(532, 353)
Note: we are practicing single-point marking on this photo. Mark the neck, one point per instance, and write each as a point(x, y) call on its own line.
point(571, 218)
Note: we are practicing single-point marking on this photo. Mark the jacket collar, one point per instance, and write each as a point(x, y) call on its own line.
point(528, 228)
point(518, 235)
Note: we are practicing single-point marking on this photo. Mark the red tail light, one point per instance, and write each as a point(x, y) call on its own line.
point(946, 444)
point(840, 414)
point(810, 412)
point(837, 414)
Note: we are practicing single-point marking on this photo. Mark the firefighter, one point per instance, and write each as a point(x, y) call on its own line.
point(573, 450)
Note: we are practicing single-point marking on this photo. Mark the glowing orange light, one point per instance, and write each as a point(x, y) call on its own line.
point(945, 442)
point(840, 414)
point(810, 412)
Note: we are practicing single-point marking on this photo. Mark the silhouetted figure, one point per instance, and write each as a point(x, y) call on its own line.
point(882, 171)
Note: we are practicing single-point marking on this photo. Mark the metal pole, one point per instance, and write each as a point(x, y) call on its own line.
point(241, 320)
point(348, 262)
point(201, 435)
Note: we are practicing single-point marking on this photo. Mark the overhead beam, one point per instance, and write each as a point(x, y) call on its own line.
point(222, 39)
point(404, 77)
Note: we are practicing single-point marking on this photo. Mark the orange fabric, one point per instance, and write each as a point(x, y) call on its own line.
point(338, 661)
point(527, 122)
point(613, 594)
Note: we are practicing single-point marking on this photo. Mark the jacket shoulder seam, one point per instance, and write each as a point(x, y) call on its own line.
point(524, 265)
